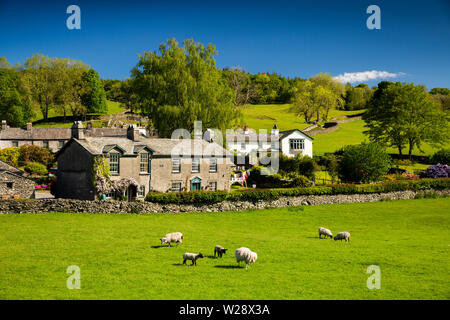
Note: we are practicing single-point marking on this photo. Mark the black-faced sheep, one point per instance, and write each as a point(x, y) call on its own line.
point(325, 232)
point(192, 256)
point(176, 237)
point(245, 254)
point(219, 250)
point(342, 236)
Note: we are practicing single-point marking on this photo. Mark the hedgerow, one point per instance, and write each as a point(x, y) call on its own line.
point(253, 195)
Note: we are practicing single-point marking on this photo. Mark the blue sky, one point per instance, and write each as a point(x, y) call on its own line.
point(292, 38)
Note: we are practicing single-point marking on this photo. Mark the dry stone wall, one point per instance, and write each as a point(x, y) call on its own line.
point(96, 206)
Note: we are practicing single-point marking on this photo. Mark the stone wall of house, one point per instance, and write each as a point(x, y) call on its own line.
point(68, 205)
point(12, 185)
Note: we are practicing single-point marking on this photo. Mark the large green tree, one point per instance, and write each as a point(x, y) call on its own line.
point(15, 105)
point(180, 85)
point(403, 114)
point(94, 98)
point(54, 83)
point(317, 96)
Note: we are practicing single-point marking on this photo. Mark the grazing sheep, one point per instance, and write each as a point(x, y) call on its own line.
point(245, 254)
point(192, 256)
point(219, 250)
point(325, 232)
point(176, 237)
point(343, 236)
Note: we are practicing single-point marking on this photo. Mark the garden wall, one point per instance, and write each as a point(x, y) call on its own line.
point(96, 206)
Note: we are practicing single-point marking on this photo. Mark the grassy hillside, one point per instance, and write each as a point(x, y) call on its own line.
point(120, 256)
point(113, 107)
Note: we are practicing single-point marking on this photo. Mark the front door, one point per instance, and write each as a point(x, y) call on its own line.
point(196, 184)
point(131, 193)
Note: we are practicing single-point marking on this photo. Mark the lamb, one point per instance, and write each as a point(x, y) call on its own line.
point(325, 232)
point(245, 254)
point(219, 250)
point(192, 256)
point(343, 236)
point(176, 237)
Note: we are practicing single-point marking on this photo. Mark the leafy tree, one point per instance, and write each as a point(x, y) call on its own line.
point(32, 153)
point(4, 63)
point(181, 85)
point(53, 82)
point(15, 105)
point(317, 96)
point(403, 114)
point(357, 98)
point(366, 162)
point(240, 82)
point(442, 156)
point(94, 99)
point(333, 167)
point(10, 155)
point(441, 91)
point(36, 167)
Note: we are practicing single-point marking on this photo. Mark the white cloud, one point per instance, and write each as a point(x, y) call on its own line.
point(353, 77)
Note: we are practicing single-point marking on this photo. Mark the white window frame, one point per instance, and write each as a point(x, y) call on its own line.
point(141, 192)
point(176, 165)
point(213, 165)
point(113, 164)
point(213, 183)
point(195, 165)
point(144, 162)
point(176, 189)
point(299, 144)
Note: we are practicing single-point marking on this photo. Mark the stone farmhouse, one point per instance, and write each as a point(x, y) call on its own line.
point(249, 143)
point(156, 164)
point(52, 138)
point(13, 184)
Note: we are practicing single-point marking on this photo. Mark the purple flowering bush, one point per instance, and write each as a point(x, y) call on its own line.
point(436, 171)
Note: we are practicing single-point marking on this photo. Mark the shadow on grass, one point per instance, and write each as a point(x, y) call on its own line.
point(210, 257)
point(160, 246)
point(230, 267)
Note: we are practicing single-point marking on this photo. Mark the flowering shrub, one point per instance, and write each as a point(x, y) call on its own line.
point(436, 171)
point(410, 176)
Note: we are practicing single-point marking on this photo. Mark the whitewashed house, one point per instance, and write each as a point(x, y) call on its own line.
point(249, 143)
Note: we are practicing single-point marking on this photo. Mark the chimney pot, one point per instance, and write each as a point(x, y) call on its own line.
point(29, 126)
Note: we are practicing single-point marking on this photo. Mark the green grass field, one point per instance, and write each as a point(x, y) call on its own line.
point(120, 257)
point(113, 107)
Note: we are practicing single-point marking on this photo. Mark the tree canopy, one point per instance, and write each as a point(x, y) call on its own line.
point(180, 85)
point(403, 114)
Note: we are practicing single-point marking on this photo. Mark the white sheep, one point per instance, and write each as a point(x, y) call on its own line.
point(245, 254)
point(176, 237)
point(343, 236)
point(325, 232)
point(192, 256)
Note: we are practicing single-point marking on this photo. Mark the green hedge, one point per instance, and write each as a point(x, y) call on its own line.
point(209, 197)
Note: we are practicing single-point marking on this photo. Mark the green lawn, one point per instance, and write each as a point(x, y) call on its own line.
point(120, 257)
point(265, 116)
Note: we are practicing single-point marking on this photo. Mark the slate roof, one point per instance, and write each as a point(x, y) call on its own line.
point(158, 146)
point(6, 167)
point(58, 133)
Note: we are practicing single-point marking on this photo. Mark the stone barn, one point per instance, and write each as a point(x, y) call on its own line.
point(13, 184)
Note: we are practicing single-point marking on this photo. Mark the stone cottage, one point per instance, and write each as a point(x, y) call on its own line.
point(156, 164)
point(13, 184)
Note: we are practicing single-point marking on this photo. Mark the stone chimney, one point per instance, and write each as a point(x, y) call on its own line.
point(4, 125)
point(89, 125)
point(29, 126)
point(78, 130)
point(274, 131)
point(133, 133)
point(246, 129)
